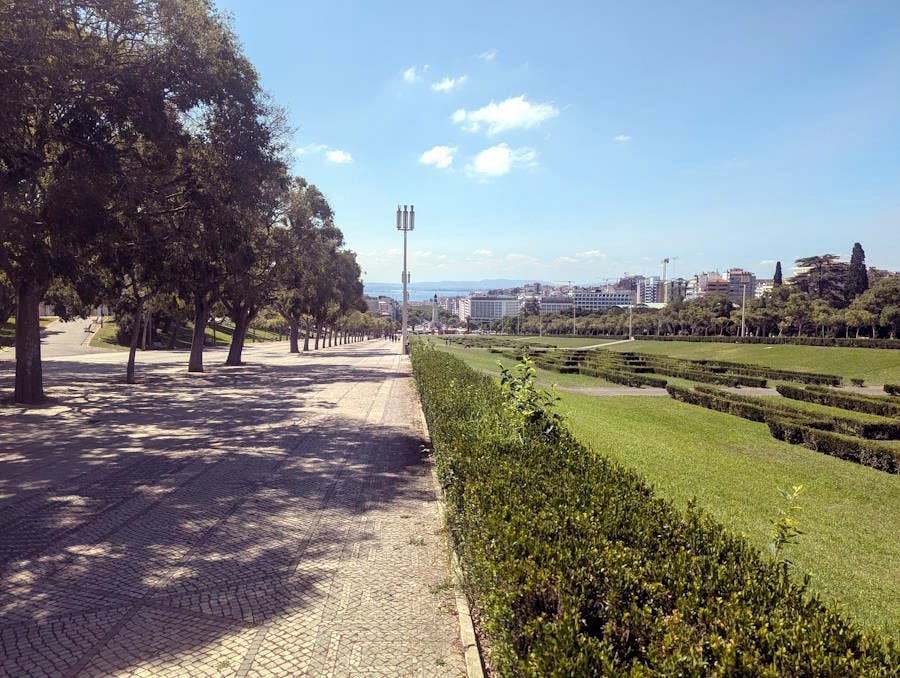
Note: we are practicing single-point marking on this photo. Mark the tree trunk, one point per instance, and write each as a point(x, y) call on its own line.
point(174, 336)
point(295, 335)
point(241, 323)
point(29, 388)
point(318, 332)
point(201, 316)
point(132, 349)
point(306, 334)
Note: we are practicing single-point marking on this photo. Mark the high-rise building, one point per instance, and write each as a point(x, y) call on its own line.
point(738, 280)
point(488, 307)
point(601, 298)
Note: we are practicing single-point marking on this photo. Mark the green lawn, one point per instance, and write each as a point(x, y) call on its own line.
point(483, 360)
point(106, 337)
point(561, 342)
point(8, 330)
point(734, 468)
point(876, 366)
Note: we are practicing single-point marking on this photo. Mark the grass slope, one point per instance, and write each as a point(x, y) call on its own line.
point(481, 359)
point(562, 342)
point(734, 468)
point(876, 366)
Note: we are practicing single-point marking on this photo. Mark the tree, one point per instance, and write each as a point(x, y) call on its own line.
point(83, 82)
point(777, 279)
point(824, 277)
point(857, 277)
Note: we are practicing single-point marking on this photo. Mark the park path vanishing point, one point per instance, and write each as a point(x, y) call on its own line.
point(274, 519)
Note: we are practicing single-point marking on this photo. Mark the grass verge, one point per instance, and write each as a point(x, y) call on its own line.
point(876, 366)
point(734, 469)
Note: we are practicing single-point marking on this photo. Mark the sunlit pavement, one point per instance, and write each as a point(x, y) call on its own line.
point(277, 518)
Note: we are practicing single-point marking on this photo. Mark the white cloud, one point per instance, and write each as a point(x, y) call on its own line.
point(448, 84)
point(339, 157)
point(311, 149)
point(488, 54)
point(334, 155)
point(499, 160)
point(483, 253)
point(412, 75)
point(512, 113)
point(622, 138)
point(439, 156)
point(591, 254)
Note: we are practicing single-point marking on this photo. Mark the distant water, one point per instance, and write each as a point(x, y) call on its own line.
point(395, 291)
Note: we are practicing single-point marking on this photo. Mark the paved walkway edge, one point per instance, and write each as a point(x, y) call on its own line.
point(474, 665)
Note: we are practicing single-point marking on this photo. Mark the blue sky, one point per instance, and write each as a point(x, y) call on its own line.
point(581, 141)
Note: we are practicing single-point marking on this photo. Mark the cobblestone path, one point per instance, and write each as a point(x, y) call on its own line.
point(274, 519)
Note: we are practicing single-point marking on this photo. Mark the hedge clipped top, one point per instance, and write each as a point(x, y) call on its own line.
point(578, 568)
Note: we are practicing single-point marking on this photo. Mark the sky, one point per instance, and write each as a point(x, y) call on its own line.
point(585, 140)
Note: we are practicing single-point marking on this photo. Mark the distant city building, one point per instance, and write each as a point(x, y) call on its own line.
point(675, 290)
point(480, 308)
point(649, 290)
point(556, 304)
point(740, 280)
point(763, 285)
point(601, 298)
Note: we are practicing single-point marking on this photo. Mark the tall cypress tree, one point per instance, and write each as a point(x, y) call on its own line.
point(857, 277)
point(777, 279)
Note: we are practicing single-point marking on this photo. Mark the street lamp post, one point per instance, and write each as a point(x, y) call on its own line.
point(744, 310)
point(406, 221)
point(572, 292)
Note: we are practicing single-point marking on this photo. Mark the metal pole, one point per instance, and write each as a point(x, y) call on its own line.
point(744, 311)
point(404, 337)
point(630, 330)
point(572, 292)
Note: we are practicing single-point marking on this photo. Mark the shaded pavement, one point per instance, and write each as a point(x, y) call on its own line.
point(277, 518)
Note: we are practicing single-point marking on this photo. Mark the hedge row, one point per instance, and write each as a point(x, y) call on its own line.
point(799, 341)
point(577, 567)
point(847, 401)
point(893, 389)
point(772, 373)
point(807, 428)
point(706, 376)
point(622, 377)
point(885, 429)
point(866, 452)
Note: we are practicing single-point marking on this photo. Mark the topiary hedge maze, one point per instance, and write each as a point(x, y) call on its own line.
point(577, 567)
point(638, 369)
point(870, 440)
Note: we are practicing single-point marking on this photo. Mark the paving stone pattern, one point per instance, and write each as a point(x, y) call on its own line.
point(274, 519)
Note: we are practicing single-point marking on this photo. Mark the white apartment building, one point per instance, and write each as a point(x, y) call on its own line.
point(551, 305)
point(601, 298)
point(763, 285)
point(481, 308)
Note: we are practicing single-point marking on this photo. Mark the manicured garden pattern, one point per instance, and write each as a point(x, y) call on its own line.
point(578, 567)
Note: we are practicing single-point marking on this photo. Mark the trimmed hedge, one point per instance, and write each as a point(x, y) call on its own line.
point(893, 389)
point(577, 567)
point(847, 401)
point(707, 376)
point(773, 373)
point(885, 429)
point(622, 377)
point(799, 341)
point(866, 452)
